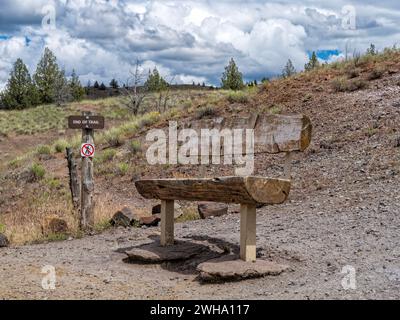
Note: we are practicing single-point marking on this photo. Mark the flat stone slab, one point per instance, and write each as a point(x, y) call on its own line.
point(155, 253)
point(231, 268)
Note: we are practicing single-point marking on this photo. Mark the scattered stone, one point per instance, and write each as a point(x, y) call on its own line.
point(150, 221)
point(396, 143)
point(230, 268)
point(155, 253)
point(212, 209)
point(156, 209)
point(124, 218)
point(3, 241)
point(53, 224)
point(396, 104)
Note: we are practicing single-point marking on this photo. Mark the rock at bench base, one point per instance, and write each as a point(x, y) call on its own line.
point(150, 221)
point(155, 253)
point(211, 209)
point(231, 268)
point(3, 241)
point(123, 218)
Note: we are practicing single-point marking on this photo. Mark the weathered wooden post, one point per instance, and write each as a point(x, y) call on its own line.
point(87, 122)
point(87, 189)
point(73, 179)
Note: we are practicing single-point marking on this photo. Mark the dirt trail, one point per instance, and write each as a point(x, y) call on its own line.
point(313, 236)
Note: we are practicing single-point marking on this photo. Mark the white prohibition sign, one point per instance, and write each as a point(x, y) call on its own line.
point(87, 150)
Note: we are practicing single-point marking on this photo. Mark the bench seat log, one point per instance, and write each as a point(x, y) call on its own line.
point(241, 190)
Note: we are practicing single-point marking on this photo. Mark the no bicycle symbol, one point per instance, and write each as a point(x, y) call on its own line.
point(87, 150)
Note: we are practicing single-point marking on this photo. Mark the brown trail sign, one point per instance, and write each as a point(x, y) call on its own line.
point(87, 123)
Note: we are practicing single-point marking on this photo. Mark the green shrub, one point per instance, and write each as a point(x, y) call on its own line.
point(148, 119)
point(342, 84)
point(123, 168)
point(375, 74)
point(275, 110)
point(238, 97)
point(135, 147)
point(60, 145)
point(43, 149)
point(108, 155)
point(15, 163)
point(114, 138)
point(37, 171)
point(207, 111)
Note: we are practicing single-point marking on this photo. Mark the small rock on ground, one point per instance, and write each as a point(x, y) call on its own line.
point(3, 241)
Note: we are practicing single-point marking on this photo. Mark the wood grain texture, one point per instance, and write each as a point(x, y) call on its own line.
point(242, 190)
point(272, 133)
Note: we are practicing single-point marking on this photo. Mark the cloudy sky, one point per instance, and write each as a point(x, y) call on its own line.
point(190, 40)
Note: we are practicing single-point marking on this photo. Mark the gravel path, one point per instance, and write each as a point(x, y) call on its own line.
point(315, 238)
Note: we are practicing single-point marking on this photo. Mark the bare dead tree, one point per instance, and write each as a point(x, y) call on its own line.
point(135, 91)
point(164, 95)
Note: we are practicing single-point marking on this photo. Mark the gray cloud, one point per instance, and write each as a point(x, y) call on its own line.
point(188, 39)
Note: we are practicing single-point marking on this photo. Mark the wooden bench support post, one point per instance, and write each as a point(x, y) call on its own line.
point(167, 222)
point(248, 232)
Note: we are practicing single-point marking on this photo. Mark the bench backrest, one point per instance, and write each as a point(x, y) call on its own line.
point(272, 133)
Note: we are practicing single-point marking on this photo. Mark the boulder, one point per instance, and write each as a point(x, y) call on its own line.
point(150, 221)
point(212, 209)
point(124, 218)
point(230, 268)
point(53, 224)
point(3, 241)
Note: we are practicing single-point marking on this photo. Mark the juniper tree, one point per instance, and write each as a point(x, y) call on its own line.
point(77, 91)
point(20, 91)
point(232, 78)
point(114, 84)
point(313, 63)
point(62, 92)
point(48, 76)
point(155, 82)
point(288, 70)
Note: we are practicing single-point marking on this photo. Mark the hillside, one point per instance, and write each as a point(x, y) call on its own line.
point(342, 209)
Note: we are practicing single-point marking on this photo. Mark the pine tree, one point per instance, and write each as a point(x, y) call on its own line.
point(48, 76)
point(232, 78)
point(77, 91)
point(313, 63)
point(155, 82)
point(102, 87)
point(288, 70)
point(20, 91)
point(114, 84)
point(96, 85)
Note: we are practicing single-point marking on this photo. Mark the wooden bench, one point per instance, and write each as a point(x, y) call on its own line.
point(273, 134)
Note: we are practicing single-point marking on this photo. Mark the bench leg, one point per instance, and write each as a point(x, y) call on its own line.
point(167, 222)
point(248, 232)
